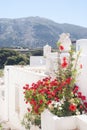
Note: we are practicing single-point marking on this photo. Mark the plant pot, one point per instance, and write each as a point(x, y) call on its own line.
point(52, 122)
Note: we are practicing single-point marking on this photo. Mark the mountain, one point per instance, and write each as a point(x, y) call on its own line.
point(34, 32)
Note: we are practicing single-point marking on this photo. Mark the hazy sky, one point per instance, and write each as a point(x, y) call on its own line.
point(60, 11)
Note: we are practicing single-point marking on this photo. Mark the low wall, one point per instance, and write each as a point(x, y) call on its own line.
point(15, 78)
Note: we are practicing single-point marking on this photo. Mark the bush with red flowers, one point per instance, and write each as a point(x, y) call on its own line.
point(60, 94)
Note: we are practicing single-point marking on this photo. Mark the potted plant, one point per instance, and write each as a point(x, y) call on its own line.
point(59, 94)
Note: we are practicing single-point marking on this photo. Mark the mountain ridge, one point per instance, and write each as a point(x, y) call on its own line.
point(35, 32)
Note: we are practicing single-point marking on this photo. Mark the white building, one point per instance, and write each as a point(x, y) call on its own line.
point(12, 106)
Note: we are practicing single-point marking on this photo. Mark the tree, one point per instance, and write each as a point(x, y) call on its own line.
point(11, 57)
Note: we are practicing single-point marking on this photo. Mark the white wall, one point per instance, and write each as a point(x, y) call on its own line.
point(82, 79)
point(37, 61)
point(52, 122)
point(17, 77)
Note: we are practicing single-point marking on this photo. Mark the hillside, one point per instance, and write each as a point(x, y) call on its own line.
point(35, 32)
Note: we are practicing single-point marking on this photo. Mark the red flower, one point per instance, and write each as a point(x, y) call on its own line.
point(72, 107)
point(75, 89)
point(56, 99)
point(26, 87)
point(79, 94)
point(26, 102)
point(81, 106)
point(28, 109)
point(50, 96)
point(41, 101)
point(85, 103)
point(64, 64)
point(61, 47)
point(83, 97)
point(64, 58)
point(48, 102)
point(53, 94)
point(53, 83)
point(36, 109)
point(33, 102)
point(81, 66)
point(68, 80)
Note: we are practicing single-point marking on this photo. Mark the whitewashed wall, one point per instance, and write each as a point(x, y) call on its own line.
point(17, 77)
point(37, 61)
point(82, 79)
point(52, 122)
